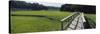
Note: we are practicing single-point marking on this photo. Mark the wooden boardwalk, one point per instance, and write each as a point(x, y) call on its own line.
point(76, 23)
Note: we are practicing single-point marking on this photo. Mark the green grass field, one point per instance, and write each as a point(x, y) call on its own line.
point(91, 19)
point(91, 16)
point(23, 24)
point(52, 14)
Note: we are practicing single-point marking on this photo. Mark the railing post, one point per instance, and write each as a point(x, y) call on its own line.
point(62, 26)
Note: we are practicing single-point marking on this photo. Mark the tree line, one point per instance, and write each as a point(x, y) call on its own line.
point(27, 6)
point(80, 8)
point(22, 5)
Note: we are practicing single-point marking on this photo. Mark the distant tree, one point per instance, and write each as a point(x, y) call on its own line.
point(26, 6)
point(81, 8)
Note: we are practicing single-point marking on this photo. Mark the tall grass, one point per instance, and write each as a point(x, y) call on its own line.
point(91, 16)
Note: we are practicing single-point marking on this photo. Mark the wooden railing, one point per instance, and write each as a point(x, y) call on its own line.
point(66, 22)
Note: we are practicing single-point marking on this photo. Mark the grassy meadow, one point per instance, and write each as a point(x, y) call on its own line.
point(91, 16)
point(23, 24)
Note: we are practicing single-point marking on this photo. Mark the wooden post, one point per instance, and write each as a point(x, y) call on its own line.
point(62, 26)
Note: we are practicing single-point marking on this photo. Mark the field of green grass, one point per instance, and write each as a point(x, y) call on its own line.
point(52, 14)
point(23, 24)
point(91, 19)
point(91, 16)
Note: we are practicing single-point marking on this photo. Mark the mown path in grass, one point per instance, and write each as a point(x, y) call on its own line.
point(54, 14)
point(22, 24)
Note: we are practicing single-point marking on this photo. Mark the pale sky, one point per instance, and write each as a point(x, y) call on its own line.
point(58, 3)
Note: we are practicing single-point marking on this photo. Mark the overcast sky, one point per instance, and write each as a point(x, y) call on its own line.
point(58, 3)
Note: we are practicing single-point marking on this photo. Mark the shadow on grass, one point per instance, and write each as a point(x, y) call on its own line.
point(89, 24)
